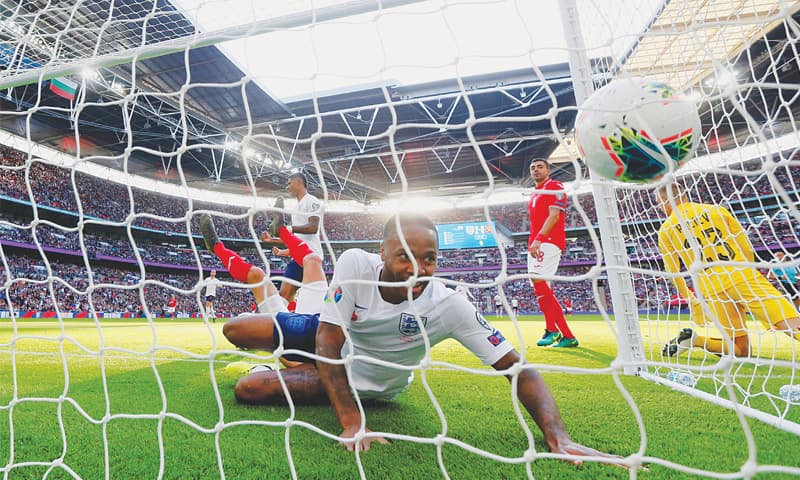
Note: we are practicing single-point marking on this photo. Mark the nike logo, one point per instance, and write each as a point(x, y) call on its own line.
point(359, 306)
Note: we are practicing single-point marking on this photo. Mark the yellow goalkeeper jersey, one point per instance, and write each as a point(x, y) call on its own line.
point(720, 239)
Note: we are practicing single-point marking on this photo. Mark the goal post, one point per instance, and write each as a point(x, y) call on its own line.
point(615, 257)
point(728, 58)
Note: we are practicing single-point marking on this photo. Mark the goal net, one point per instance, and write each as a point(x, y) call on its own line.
point(122, 122)
point(747, 163)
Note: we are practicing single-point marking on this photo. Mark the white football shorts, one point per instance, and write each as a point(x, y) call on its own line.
point(547, 263)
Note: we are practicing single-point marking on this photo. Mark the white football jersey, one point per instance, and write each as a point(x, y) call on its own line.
point(392, 333)
point(309, 206)
point(211, 286)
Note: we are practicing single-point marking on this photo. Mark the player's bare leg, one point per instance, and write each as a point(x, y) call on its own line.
point(257, 331)
point(265, 388)
point(254, 331)
point(288, 291)
point(251, 331)
point(210, 311)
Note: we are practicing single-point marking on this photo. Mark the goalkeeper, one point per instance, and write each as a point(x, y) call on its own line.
point(383, 324)
point(696, 233)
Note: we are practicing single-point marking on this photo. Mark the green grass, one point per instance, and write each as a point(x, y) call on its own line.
point(165, 406)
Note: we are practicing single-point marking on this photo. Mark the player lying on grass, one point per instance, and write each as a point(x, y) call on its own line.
point(383, 324)
point(729, 290)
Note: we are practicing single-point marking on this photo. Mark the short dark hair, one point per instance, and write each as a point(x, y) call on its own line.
point(301, 177)
point(407, 219)
point(543, 160)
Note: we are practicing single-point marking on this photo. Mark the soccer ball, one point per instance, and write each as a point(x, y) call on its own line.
point(620, 127)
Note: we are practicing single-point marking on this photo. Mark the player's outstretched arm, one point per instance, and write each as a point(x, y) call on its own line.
point(540, 404)
point(312, 227)
point(330, 339)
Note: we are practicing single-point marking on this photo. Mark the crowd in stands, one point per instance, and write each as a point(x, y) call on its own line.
point(768, 226)
point(29, 287)
point(53, 186)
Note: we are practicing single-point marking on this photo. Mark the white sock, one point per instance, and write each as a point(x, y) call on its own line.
point(273, 304)
point(311, 297)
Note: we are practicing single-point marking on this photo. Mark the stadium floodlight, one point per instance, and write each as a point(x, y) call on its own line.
point(722, 79)
point(118, 87)
point(249, 153)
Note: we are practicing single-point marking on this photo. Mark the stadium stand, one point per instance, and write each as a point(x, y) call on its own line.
point(164, 247)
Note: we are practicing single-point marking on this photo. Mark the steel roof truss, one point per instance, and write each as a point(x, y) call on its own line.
point(447, 168)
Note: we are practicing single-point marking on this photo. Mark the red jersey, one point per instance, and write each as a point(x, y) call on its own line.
point(173, 302)
point(567, 303)
point(539, 209)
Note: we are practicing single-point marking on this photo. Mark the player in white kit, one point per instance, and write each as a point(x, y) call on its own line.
point(305, 226)
point(386, 323)
point(212, 282)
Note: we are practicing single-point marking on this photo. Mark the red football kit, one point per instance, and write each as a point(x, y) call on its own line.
point(539, 209)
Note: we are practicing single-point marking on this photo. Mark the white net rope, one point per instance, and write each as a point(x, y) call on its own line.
point(126, 394)
point(749, 171)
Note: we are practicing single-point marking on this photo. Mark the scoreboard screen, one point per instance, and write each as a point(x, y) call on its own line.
point(466, 235)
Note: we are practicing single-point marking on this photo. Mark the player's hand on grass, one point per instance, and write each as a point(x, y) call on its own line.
point(366, 442)
point(572, 448)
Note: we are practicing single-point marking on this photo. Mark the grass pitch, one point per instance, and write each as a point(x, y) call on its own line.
point(132, 399)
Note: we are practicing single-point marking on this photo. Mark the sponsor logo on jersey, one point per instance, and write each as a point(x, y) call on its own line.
point(496, 338)
point(337, 295)
point(408, 324)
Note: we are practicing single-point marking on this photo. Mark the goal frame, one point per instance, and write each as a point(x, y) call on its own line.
point(631, 353)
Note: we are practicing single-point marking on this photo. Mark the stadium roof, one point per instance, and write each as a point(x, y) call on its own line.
point(238, 115)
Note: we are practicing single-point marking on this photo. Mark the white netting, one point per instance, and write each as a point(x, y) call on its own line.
point(96, 95)
point(748, 164)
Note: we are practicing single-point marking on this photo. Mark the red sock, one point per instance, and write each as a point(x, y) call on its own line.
point(553, 315)
point(298, 249)
point(561, 322)
point(235, 264)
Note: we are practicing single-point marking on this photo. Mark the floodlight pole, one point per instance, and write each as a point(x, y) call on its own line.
point(629, 337)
